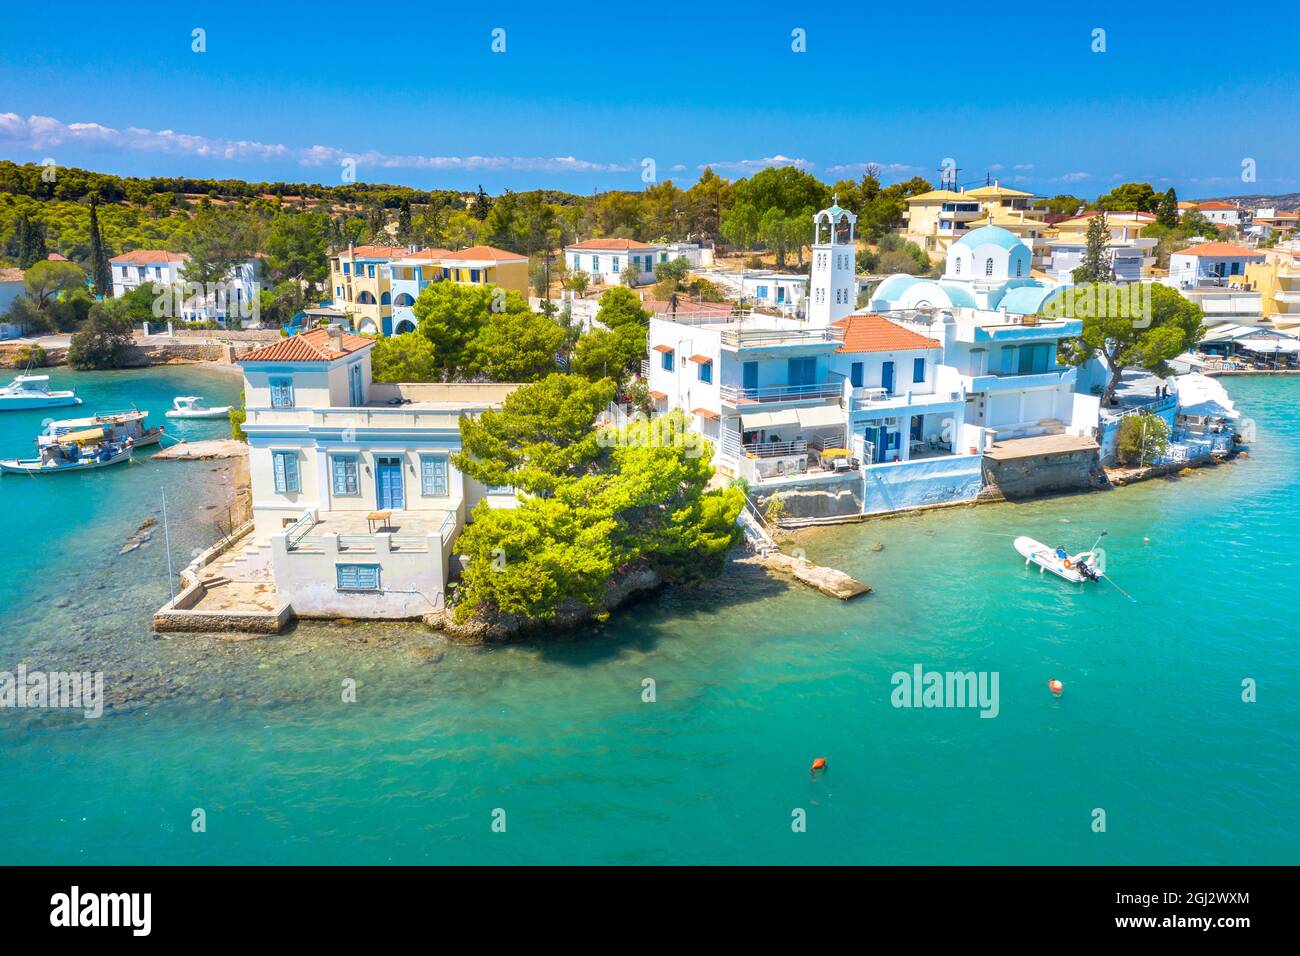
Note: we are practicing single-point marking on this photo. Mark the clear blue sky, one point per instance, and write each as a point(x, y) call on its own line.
point(1184, 92)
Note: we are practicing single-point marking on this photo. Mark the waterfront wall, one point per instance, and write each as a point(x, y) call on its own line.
point(835, 497)
point(411, 582)
point(1020, 478)
point(924, 483)
point(182, 616)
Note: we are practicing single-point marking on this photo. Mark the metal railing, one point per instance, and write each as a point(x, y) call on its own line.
point(780, 393)
point(298, 530)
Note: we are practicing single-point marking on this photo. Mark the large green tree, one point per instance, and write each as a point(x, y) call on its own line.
point(517, 345)
point(408, 357)
point(1142, 325)
point(542, 435)
point(46, 281)
point(775, 208)
point(450, 316)
point(1095, 264)
point(105, 340)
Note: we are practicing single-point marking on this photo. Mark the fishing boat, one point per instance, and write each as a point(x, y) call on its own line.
point(1076, 568)
point(33, 391)
point(116, 427)
point(56, 459)
point(192, 406)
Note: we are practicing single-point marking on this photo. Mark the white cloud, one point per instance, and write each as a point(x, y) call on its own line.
point(42, 133)
point(754, 165)
point(1073, 177)
point(1025, 167)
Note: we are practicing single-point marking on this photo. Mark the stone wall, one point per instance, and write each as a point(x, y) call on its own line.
point(1032, 476)
point(830, 499)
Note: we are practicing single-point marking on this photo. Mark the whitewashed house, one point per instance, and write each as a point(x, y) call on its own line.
point(912, 405)
point(353, 489)
point(609, 260)
point(234, 297)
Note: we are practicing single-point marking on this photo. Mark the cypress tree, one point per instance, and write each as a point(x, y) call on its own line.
point(100, 272)
point(1167, 211)
point(31, 247)
point(404, 222)
point(1095, 266)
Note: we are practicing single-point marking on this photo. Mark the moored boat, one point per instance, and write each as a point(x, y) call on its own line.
point(33, 391)
point(117, 427)
point(193, 406)
point(56, 459)
point(1076, 568)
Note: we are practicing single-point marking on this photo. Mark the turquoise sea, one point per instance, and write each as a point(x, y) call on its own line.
point(753, 679)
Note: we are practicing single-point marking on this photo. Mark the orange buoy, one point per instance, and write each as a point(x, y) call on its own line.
point(819, 763)
point(1056, 686)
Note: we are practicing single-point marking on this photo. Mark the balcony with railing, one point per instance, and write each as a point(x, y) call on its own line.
point(831, 387)
point(1009, 381)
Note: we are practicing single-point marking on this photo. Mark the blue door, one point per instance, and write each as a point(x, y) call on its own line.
point(878, 437)
point(887, 377)
point(750, 375)
point(388, 484)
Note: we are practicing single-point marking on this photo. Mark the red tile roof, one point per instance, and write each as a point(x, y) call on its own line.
point(376, 252)
point(55, 257)
point(663, 348)
point(485, 254)
point(1214, 205)
point(700, 359)
point(875, 333)
point(1225, 249)
point(314, 346)
point(612, 245)
point(148, 256)
point(429, 254)
point(706, 414)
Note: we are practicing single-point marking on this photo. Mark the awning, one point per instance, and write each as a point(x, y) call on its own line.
point(820, 416)
point(657, 396)
point(663, 348)
point(706, 414)
point(88, 434)
point(1268, 344)
point(700, 359)
point(755, 420)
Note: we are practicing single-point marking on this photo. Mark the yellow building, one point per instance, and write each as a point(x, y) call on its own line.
point(1278, 280)
point(935, 219)
point(377, 285)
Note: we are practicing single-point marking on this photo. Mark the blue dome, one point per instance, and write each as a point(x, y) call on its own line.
point(958, 295)
point(990, 235)
point(893, 287)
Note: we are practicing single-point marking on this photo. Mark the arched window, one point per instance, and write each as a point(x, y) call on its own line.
point(365, 298)
point(988, 267)
point(406, 325)
point(404, 299)
point(385, 299)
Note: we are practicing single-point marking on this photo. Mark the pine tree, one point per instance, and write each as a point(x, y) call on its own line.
point(482, 205)
point(1095, 266)
point(404, 231)
point(100, 271)
point(1167, 211)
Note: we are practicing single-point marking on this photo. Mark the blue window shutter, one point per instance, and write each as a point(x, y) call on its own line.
point(855, 375)
point(433, 475)
point(918, 370)
point(357, 577)
point(291, 482)
point(277, 462)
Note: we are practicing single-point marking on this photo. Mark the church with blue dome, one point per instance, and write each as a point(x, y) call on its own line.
point(986, 269)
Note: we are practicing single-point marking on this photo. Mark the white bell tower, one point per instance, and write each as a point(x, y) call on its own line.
point(832, 289)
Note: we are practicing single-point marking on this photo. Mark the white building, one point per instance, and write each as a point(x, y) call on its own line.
point(1210, 264)
point(609, 260)
point(1221, 213)
point(887, 411)
point(329, 449)
point(234, 297)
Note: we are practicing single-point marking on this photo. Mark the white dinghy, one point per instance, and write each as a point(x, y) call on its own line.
point(192, 406)
point(1077, 568)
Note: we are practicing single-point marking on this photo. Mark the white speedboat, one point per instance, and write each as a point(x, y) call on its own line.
point(1072, 567)
point(56, 459)
point(192, 406)
point(115, 427)
point(33, 391)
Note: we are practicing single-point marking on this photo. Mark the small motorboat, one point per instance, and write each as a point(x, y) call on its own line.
point(115, 427)
point(1072, 567)
point(192, 406)
point(56, 459)
point(33, 391)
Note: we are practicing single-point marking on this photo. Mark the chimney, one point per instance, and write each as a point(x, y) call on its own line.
point(336, 337)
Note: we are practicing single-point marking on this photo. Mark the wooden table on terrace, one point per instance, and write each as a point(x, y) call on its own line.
point(380, 517)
